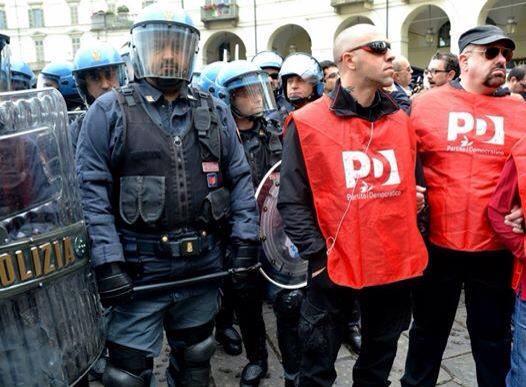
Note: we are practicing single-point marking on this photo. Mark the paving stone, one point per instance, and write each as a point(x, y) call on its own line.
point(399, 365)
point(462, 368)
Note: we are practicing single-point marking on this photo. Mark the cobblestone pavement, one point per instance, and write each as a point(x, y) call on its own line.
point(458, 368)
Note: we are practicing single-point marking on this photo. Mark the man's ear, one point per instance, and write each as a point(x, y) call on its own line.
point(463, 61)
point(349, 60)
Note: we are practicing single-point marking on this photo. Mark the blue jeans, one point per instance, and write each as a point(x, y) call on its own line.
point(517, 375)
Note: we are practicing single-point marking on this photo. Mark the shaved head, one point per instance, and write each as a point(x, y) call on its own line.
point(355, 36)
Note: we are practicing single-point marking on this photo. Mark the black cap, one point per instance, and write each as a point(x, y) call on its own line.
point(482, 35)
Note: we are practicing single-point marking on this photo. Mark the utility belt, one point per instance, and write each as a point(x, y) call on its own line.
point(174, 244)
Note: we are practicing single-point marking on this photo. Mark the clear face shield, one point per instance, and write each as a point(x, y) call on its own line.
point(20, 82)
point(164, 51)
point(45, 80)
point(251, 95)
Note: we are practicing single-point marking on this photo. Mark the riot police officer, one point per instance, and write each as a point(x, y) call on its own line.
point(97, 68)
point(225, 333)
point(59, 75)
point(21, 75)
point(271, 62)
point(247, 89)
point(160, 218)
point(301, 82)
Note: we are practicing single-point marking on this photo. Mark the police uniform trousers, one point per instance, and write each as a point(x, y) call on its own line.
point(185, 313)
point(486, 279)
point(385, 313)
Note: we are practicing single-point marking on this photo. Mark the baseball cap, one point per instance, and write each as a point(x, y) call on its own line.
point(482, 35)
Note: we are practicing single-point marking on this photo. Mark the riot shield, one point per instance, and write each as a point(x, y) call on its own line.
point(50, 317)
point(280, 263)
point(74, 114)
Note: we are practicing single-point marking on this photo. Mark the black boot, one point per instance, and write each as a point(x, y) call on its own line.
point(253, 373)
point(230, 340)
point(353, 337)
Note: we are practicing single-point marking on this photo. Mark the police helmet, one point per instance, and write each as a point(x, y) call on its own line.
point(21, 75)
point(242, 77)
point(91, 59)
point(60, 76)
point(164, 43)
point(208, 76)
point(268, 59)
point(307, 68)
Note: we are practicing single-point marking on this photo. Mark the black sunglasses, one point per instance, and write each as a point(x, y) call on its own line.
point(492, 52)
point(378, 47)
point(274, 76)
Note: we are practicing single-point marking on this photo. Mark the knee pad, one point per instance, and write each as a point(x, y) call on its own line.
point(201, 352)
point(190, 366)
point(116, 377)
point(288, 303)
point(127, 363)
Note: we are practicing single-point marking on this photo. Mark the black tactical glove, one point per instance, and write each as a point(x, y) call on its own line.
point(115, 285)
point(244, 256)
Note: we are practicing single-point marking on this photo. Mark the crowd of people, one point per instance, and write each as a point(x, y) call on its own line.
point(399, 195)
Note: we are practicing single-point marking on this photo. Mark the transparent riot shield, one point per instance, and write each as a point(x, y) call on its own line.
point(280, 263)
point(50, 318)
point(73, 115)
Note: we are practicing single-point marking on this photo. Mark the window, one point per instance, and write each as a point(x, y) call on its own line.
point(444, 37)
point(36, 18)
point(3, 20)
point(39, 50)
point(74, 14)
point(75, 43)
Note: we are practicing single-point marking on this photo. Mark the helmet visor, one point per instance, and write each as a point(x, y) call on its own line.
point(45, 80)
point(252, 94)
point(164, 51)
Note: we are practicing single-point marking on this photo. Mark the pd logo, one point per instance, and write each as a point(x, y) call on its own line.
point(380, 168)
point(489, 130)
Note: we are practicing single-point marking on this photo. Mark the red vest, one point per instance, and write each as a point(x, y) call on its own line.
point(519, 158)
point(464, 140)
point(365, 201)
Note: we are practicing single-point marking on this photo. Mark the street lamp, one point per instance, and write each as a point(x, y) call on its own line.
point(430, 36)
point(511, 25)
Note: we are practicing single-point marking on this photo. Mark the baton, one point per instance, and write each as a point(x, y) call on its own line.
point(194, 280)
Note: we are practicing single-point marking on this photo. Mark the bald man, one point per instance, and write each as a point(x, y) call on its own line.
point(348, 199)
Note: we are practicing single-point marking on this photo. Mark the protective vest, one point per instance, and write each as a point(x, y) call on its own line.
point(519, 158)
point(362, 177)
point(464, 140)
point(262, 147)
point(166, 182)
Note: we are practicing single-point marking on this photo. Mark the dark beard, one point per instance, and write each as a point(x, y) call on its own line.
point(168, 84)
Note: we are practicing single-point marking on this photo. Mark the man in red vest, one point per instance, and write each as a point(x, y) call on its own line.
point(465, 133)
point(348, 201)
point(510, 194)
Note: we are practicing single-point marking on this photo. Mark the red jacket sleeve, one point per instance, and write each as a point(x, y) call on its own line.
point(506, 195)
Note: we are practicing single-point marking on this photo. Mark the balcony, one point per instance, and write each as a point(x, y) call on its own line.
point(103, 21)
point(344, 6)
point(220, 11)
